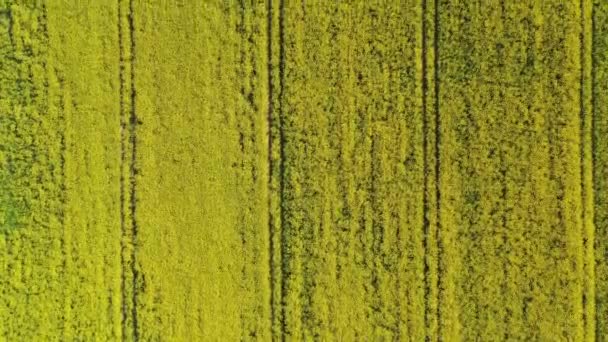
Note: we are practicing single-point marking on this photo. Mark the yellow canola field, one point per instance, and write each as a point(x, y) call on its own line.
point(416, 170)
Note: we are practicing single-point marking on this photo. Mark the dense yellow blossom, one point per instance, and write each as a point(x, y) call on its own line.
point(415, 170)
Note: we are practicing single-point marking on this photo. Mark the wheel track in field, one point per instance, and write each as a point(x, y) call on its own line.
point(133, 171)
point(62, 160)
point(431, 128)
point(582, 151)
point(425, 201)
point(594, 160)
point(122, 180)
point(242, 62)
point(437, 165)
point(431, 123)
point(586, 169)
point(283, 237)
point(275, 117)
point(271, 228)
point(128, 124)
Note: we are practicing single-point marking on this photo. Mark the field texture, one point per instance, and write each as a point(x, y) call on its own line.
point(415, 170)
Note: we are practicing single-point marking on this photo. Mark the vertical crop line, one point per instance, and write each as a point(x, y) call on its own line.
point(281, 118)
point(582, 157)
point(133, 172)
point(437, 167)
point(62, 154)
point(270, 122)
point(123, 147)
point(271, 231)
point(586, 150)
point(594, 161)
point(425, 200)
point(243, 75)
point(62, 121)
